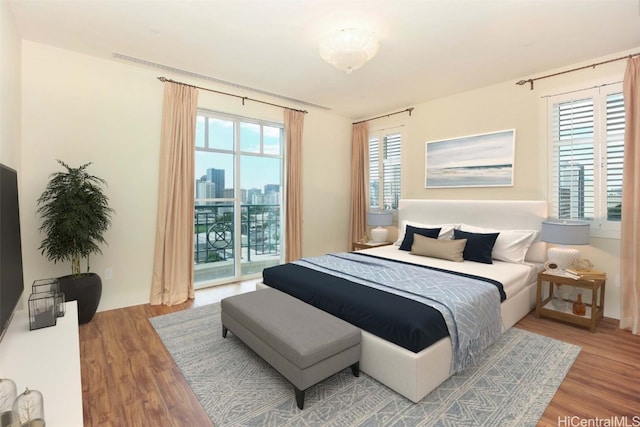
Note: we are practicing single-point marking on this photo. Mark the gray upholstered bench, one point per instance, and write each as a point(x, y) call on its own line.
point(305, 344)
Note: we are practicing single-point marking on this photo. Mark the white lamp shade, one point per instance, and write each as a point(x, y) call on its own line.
point(380, 218)
point(565, 232)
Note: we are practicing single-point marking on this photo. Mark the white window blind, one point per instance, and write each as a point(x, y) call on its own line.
point(385, 155)
point(615, 154)
point(586, 130)
point(374, 172)
point(573, 124)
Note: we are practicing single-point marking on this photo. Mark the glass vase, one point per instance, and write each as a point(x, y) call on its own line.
point(28, 409)
point(558, 301)
point(8, 394)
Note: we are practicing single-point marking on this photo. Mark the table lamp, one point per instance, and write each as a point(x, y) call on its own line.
point(379, 219)
point(564, 232)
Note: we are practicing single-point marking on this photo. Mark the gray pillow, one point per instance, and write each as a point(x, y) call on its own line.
point(445, 249)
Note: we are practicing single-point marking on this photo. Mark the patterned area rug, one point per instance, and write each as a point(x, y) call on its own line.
point(510, 385)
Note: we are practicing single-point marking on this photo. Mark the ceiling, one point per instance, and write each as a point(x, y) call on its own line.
point(428, 48)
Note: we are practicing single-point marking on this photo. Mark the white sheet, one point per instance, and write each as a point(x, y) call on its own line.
point(513, 277)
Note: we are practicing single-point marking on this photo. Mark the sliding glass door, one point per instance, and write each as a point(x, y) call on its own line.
point(238, 209)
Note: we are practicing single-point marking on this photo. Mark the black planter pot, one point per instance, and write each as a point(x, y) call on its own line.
point(86, 289)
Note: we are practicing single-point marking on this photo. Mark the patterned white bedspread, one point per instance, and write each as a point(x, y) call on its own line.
point(470, 306)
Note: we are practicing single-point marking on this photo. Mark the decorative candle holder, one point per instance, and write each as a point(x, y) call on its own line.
point(8, 394)
point(42, 310)
point(28, 409)
point(48, 286)
point(45, 285)
point(60, 307)
point(558, 299)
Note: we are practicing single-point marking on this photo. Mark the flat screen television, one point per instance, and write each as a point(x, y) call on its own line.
point(11, 278)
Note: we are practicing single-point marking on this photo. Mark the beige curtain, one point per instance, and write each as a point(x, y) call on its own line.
point(293, 124)
point(172, 280)
point(630, 228)
point(359, 181)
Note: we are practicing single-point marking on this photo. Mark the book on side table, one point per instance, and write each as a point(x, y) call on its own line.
point(587, 275)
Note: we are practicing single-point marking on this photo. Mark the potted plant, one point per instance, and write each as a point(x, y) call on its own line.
point(75, 214)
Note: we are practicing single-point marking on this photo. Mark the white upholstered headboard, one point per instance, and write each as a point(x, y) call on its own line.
point(498, 214)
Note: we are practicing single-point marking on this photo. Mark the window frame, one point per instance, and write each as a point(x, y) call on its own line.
point(601, 226)
point(237, 151)
point(236, 200)
point(380, 134)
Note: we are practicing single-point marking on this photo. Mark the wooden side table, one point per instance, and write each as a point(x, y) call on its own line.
point(358, 246)
point(594, 312)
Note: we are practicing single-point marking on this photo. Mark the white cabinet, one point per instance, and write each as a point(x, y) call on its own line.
point(47, 360)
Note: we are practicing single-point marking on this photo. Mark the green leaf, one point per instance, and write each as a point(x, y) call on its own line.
point(75, 215)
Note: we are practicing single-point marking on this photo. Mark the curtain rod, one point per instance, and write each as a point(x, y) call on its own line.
point(386, 115)
point(530, 81)
point(244, 98)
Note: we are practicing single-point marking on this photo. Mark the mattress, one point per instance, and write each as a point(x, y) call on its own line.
point(514, 277)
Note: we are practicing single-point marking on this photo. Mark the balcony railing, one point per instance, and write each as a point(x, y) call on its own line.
point(214, 232)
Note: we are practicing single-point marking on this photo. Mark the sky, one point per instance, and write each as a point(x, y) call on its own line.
point(256, 170)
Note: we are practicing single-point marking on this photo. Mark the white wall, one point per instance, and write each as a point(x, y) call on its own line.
point(80, 108)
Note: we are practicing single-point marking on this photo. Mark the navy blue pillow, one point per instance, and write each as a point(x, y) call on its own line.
point(407, 242)
point(479, 245)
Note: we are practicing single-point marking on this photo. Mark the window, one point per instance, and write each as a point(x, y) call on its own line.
point(587, 147)
point(384, 169)
point(238, 209)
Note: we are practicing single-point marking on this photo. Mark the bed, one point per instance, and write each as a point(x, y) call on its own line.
point(415, 374)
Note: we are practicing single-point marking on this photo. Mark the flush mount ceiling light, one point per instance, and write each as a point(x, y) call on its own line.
point(349, 49)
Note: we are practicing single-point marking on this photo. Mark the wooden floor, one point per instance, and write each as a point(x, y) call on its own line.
point(129, 378)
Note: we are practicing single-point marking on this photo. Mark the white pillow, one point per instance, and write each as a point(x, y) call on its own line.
point(446, 230)
point(511, 245)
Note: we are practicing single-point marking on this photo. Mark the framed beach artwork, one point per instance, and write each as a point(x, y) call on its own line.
point(484, 160)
